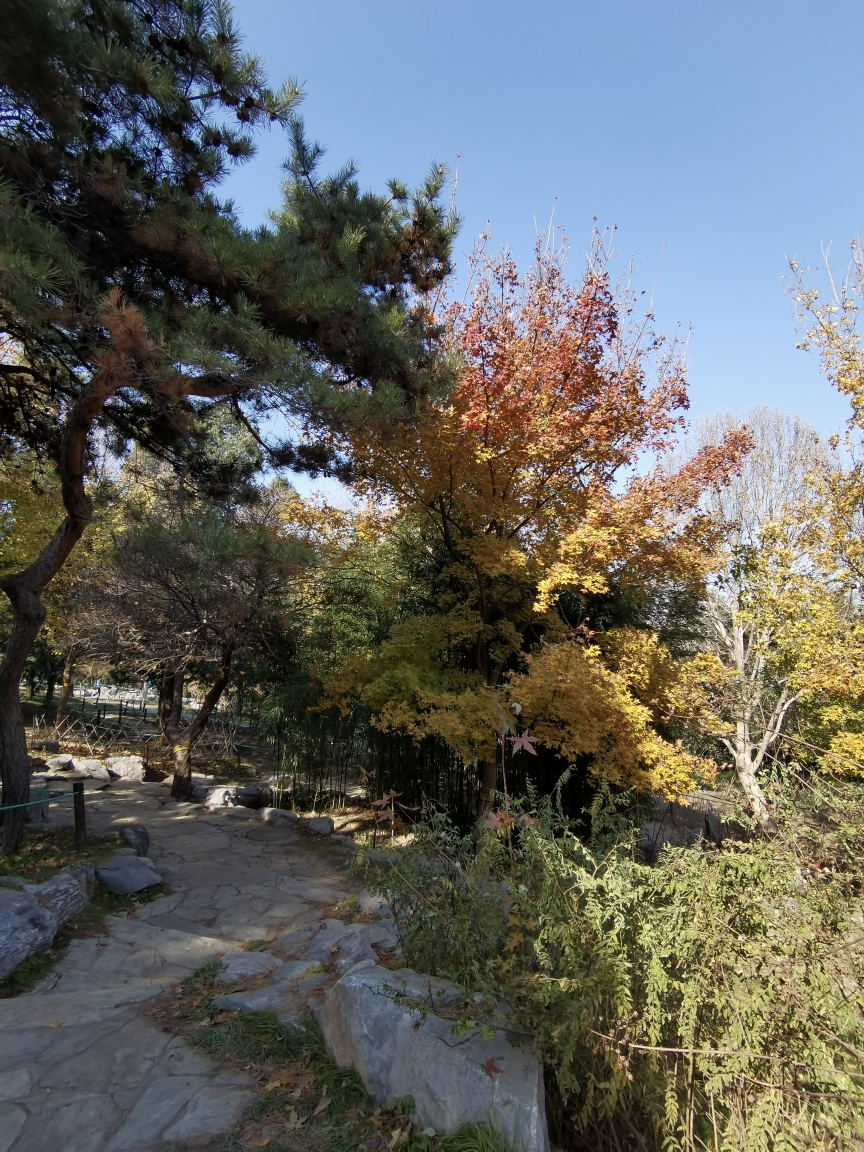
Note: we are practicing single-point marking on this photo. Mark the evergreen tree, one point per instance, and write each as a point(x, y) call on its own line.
point(131, 299)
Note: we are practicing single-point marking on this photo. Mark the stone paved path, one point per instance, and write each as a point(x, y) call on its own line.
point(80, 1069)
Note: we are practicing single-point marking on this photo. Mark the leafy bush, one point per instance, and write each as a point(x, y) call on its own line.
point(711, 1001)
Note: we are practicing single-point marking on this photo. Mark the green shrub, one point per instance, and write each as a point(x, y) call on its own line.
point(713, 1000)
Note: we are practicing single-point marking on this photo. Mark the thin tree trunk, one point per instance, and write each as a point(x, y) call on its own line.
point(182, 740)
point(166, 695)
point(755, 796)
point(49, 690)
point(66, 689)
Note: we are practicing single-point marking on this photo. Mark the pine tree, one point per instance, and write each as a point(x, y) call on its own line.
point(131, 299)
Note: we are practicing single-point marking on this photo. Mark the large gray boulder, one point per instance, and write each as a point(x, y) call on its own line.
point(397, 1052)
point(95, 769)
point(62, 895)
point(320, 826)
point(126, 767)
point(58, 763)
point(279, 816)
point(128, 874)
point(25, 927)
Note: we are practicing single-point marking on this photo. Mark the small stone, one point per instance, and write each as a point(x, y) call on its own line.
point(128, 874)
point(245, 966)
point(126, 767)
point(137, 837)
point(320, 826)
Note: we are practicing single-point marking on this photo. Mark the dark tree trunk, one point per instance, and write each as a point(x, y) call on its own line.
point(487, 776)
point(66, 689)
point(24, 591)
point(28, 617)
point(183, 739)
point(49, 690)
point(166, 696)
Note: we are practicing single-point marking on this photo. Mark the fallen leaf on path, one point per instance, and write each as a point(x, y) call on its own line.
point(323, 1103)
point(491, 1068)
point(57, 1024)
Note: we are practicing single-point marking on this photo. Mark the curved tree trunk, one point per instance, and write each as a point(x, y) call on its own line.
point(182, 740)
point(67, 686)
point(24, 591)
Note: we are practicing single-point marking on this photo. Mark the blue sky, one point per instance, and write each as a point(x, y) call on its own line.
point(719, 138)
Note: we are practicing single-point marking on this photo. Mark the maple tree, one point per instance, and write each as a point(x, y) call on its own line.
point(528, 482)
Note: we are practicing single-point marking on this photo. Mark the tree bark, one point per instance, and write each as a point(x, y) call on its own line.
point(24, 590)
point(50, 685)
point(166, 695)
point(487, 775)
point(66, 689)
point(756, 797)
point(183, 739)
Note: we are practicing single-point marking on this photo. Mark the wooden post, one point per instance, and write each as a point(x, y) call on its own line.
point(78, 808)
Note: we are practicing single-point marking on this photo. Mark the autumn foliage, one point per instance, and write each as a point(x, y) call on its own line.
point(544, 472)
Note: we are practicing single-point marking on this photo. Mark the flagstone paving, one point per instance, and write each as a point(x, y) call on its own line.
point(81, 1070)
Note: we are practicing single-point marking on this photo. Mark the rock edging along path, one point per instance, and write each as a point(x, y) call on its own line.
point(80, 1068)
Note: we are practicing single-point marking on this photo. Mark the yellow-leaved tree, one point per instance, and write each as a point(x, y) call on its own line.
point(528, 482)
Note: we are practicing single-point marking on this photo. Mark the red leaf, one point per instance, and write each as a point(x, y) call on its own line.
point(525, 741)
point(491, 1068)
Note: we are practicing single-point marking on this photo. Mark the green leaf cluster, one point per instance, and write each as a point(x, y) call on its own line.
point(713, 1001)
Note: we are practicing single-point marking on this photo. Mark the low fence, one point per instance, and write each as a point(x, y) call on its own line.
point(325, 761)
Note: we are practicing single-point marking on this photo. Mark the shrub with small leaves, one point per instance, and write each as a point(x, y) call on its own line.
point(711, 1001)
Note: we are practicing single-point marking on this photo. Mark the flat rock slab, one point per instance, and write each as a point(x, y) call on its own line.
point(246, 965)
point(81, 1069)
